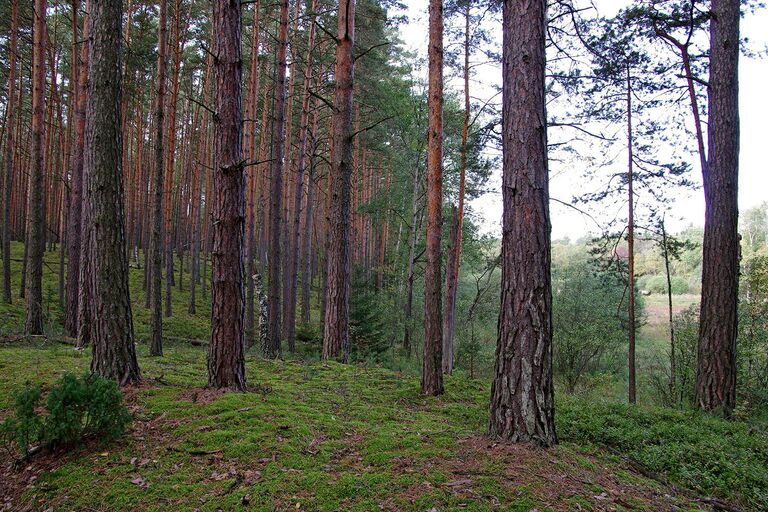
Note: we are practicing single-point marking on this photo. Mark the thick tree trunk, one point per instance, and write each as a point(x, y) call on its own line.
point(522, 393)
point(156, 244)
point(114, 352)
point(336, 326)
point(226, 361)
point(276, 186)
point(716, 376)
point(10, 127)
point(35, 239)
point(432, 373)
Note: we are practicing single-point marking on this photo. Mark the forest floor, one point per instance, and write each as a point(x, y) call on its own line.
point(312, 436)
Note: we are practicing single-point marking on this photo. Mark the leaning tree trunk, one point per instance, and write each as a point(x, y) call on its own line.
point(716, 376)
point(114, 352)
point(10, 126)
point(432, 372)
point(35, 239)
point(276, 186)
point(226, 354)
point(156, 244)
point(522, 394)
point(336, 327)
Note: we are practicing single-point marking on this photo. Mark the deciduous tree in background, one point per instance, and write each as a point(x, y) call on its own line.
point(522, 393)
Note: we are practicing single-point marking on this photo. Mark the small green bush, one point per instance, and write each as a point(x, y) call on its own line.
point(76, 408)
point(710, 455)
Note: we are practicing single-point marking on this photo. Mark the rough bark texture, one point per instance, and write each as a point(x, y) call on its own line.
point(432, 372)
point(156, 243)
point(114, 353)
point(35, 205)
point(226, 361)
point(522, 394)
point(276, 186)
point(9, 152)
point(336, 326)
point(716, 376)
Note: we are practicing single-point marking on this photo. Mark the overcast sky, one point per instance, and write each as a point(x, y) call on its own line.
point(689, 206)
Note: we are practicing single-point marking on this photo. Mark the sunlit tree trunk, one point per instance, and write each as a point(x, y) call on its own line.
point(432, 372)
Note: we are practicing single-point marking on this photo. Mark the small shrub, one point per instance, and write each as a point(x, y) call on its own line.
point(658, 284)
point(76, 408)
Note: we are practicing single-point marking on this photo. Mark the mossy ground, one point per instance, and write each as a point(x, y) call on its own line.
point(307, 436)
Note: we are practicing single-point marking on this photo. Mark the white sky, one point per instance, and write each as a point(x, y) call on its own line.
point(689, 206)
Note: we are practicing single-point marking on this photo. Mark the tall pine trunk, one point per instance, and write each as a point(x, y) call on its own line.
point(114, 352)
point(336, 326)
point(453, 262)
point(432, 372)
point(276, 186)
point(226, 355)
point(156, 243)
point(289, 320)
point(522, 393)
point(9, 152)
point(716, 376)
point(35, 239)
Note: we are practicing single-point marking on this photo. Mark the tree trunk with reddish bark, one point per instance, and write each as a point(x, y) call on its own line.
point(336, 325)
point(226, 354)
point(716, 376)
point(522, 393)
point(432, 372)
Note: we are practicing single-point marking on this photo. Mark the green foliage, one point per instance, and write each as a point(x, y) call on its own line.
point(76, 408)
point(24, 427)
point(588, 322)
point(709, 455)
point(658, 284)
